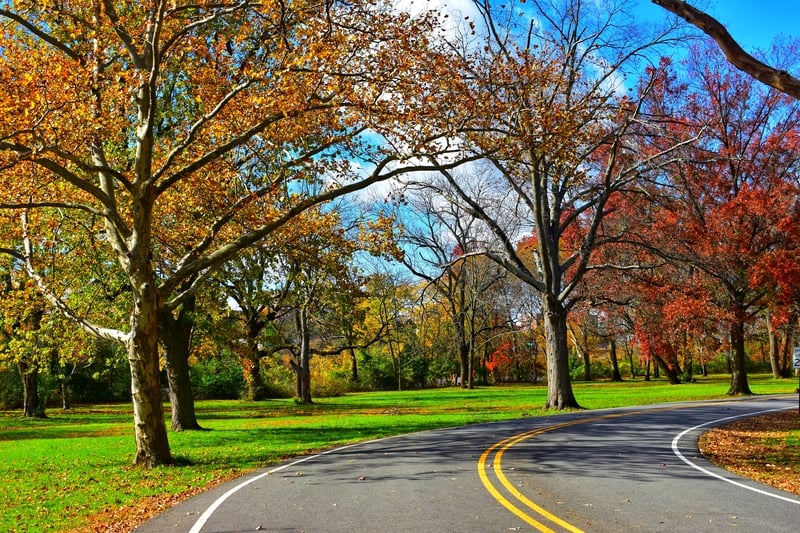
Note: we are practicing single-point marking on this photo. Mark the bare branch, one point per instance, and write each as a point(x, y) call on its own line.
point(735, 54)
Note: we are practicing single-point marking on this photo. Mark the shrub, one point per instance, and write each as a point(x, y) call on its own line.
point(376, 373)
point(328, 377)
point(597, 370)
point(217, 379)
point(278, 379)
point(10, 389)
point(101, 382)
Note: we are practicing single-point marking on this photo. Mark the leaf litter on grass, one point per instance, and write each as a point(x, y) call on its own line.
point(763, 448)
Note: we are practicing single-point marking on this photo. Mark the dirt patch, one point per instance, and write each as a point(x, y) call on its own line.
point(765, 448)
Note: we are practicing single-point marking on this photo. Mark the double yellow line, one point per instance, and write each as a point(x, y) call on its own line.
point(501, 447)
point(497, 450)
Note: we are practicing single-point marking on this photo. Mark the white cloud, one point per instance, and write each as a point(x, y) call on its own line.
point(456, 10)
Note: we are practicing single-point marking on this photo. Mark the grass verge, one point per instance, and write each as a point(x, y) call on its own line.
point(764, 448)
point(71, 471)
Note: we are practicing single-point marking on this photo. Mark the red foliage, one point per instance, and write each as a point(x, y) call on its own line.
point(502, 357)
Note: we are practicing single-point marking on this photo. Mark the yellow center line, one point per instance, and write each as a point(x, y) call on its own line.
point(502, 499)
point(501, 447)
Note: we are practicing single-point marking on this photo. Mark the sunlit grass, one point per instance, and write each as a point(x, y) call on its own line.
point(58, 472)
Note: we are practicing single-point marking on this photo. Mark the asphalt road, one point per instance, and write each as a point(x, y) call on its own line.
point(616, 470)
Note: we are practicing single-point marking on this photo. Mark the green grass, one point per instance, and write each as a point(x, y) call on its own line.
point(59, 471)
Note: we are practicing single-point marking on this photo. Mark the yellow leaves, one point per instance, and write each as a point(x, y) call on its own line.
point(278, 82)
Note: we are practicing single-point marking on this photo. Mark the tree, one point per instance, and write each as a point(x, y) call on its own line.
point(391, 301)
point(776, 78)
point(36, 340)
point(175, 132)
point(318, 265)
point(259, 298)
point(24, 339)
point(442, 238)
point(175, 331)
point(562, 140)
point(728, 209)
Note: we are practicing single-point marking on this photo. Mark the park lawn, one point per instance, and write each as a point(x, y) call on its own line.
point(73, 469)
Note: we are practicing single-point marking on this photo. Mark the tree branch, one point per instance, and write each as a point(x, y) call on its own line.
point(735, 54)
point(41, 34)
point(58, 303)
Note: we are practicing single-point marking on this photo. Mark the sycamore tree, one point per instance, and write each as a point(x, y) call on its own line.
point(555, 119)
point(172, 134)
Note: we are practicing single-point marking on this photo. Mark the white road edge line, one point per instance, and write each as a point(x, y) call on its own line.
point(219, 501)
point(683, 458)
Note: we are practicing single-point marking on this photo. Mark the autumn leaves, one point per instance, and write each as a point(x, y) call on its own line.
point(157, 141)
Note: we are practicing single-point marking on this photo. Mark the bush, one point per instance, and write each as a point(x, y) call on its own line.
point(101, 382)
point(719, 365)
point(10, 389)
point(442, 369)
point(597, 370)
point(217, 379)
point(278, 379)
point(376, 373)
point(329, 378)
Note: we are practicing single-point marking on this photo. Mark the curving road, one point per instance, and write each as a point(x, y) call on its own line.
point(615, 470)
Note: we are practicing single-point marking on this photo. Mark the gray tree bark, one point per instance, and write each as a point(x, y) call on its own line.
point(176, 336)
point(559, 387)
point(739, 383)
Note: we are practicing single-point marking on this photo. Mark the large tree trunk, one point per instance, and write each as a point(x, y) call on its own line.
point(739, 384)
point(252, 373)
point(587, 366)
point(303, 392)
point(559, 387)
point(176, 336)
point(463, 364)
point(32, 407)
point(612, 354)
point(672, 372)
point(251, 359)
point(150, 430)
point(463, 350)
point(774, 349)
point(353, 366)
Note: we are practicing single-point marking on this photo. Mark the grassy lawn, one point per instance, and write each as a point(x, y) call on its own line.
point(73, 469)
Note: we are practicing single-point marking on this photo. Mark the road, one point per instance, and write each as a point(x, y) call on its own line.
point(615, 470)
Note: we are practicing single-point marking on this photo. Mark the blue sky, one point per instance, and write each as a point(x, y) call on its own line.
point(753, 23)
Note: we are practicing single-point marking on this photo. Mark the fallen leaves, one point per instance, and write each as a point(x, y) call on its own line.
point(763, 448)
